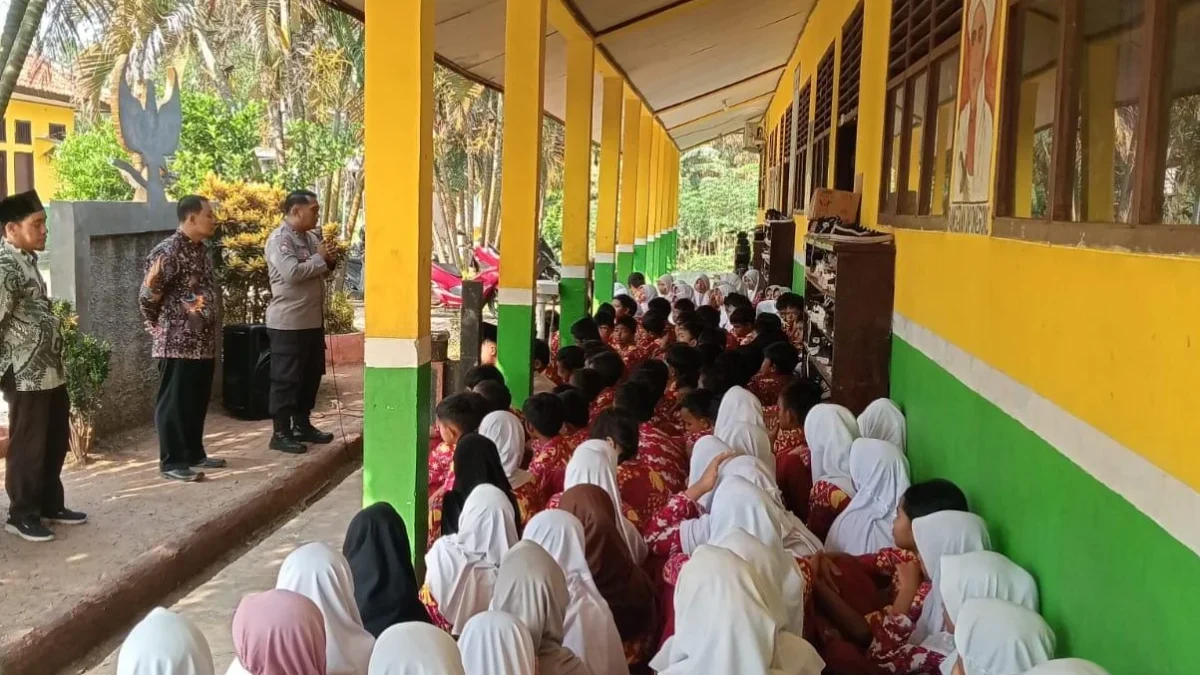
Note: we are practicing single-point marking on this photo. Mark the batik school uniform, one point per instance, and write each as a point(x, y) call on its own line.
point(826, 502)
point(575, 437)
point(793, 470)
point(767, 386)
point(529, 500)
point(666, 418)
point(661, 529)
point(431, 608)
point(732, 341)
point(632, 355)
point(642, 488)
point(664, 454)
point(603, 402)
point(441, 459)
point(690, 438)
point(549, 464)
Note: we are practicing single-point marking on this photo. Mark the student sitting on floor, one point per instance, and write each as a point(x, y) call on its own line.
point(880, 474)
point(477, 461)
point(658, 333)
point(682, 307)
point(542, 367)
point(689, 330)
point(576, 414)
point(741, 322)
point(791, 310)
point(590, 384)
point(778, 368)
point(495, 394)
point(883, 420)
point(625, 341)
point(586, 330)
point(612, 370)
point(657, 375)
point(683, 371)
point(653, 448)
point(1001, 638)
point(456, 416)
point(698, 411)
point(624, 305)
point(551, 452)
point(568, 360)
point(605, 322)
point(830, 431)
point(793, 459)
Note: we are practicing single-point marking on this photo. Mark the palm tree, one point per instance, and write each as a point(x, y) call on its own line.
point(20, 26)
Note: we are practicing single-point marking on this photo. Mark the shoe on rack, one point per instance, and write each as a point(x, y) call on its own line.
point(29, 528)
point(65, 516)
point(307, 433)
point(210, 463)
point(183, 475)
point(286, 442)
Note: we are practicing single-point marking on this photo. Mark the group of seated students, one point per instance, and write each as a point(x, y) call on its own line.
point(677, 501)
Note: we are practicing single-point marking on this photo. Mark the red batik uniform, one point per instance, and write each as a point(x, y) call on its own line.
point(793, 470)
point(767, 386)
point(690, 438)
point(431, 607)
point(441, 458)
point(642, 488)
point(603, 402)
point(576, 438)
point(529, 502)
point(662, 529)
point(555, 343)
point(664, 454)
point(666, 418)
point(632, 355)
point(890, 649)
point(732, 341)
point(549, 464)
point(826, 502)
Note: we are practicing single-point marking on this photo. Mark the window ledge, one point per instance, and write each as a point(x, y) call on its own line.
point(1158, 239)
point(905, 222)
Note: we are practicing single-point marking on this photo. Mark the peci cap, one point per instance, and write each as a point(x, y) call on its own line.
point(18, 207)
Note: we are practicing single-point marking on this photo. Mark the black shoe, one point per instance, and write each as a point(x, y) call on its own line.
point(210, 463)
point(183, 475)
point(310, 434)
point(287, 443)
point(29, 528)
point(65, 516)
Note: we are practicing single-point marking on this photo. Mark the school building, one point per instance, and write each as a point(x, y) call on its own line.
point(39, 115)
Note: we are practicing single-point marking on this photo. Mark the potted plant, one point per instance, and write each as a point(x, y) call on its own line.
point(344, 344)
point(85, 363)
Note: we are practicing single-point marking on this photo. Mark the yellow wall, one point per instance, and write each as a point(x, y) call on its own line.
point(41, 115)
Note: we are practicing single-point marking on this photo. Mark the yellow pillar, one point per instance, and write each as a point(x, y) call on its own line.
point(1099, 95)
point(524, 55)
point(656, 156)
point(399, 164)
point(1023, 160)
point(631, 153)
point(644, 179)
point(610, 169)
point(577, 186)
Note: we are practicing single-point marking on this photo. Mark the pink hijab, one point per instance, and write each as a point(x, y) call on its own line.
point(279, 633)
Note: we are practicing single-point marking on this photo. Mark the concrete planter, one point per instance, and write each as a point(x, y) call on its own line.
point(344, 350)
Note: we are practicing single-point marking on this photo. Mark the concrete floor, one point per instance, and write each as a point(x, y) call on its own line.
point(211, 604)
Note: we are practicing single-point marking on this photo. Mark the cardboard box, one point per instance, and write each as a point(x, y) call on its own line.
point(826, 203)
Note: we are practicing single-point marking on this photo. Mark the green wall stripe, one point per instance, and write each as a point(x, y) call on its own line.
point(624, 266)
point(639, 258)
point(515, 351)
point(798, 279)
point(603, 287)
point(573, 305)
point(1116, 587)
point(396, 446)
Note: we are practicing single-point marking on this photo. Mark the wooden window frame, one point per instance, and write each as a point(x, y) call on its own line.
point(3, 129)
point(27, 158)
point(1146, 233)
point(802, 188)
point(824, 114)
point(61, 130)
point(25, 138)
point(3, 174)
point(898, 214)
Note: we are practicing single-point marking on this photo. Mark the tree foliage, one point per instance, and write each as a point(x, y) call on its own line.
point(218, 139)
point(83, 162)
point(718, 197)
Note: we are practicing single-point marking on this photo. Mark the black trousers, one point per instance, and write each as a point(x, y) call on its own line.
point(297, 364)
point(184, 390)
point(39, 437)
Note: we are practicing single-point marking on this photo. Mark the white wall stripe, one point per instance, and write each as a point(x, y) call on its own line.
point(1171, 503)
point(605, 257)
point(639, 241)
point(383, 352)
point(515, 296)
point(573, 271)
point(624, 248)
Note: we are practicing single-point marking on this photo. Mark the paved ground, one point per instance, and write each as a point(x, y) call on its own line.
point(132, 509)
point(211, 604)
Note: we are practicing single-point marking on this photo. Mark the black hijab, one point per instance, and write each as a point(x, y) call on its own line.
point(385, 584)
point(476, 462)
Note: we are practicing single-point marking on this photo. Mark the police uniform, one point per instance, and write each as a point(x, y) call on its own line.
point(295, 325)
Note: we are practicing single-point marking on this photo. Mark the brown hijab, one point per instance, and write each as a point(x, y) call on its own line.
point(625, 587)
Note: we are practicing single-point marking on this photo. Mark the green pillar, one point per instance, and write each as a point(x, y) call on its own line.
point(572, 300)
point(625, 261)
point(639, 256)
point(605, 271)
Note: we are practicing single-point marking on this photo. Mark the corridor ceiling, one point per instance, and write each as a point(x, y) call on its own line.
point(705, 67)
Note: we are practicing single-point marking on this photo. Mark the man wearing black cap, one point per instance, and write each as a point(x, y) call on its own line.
point(33, 381)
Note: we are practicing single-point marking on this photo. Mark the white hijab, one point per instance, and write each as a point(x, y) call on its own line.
point(882, 420)
point(752, 439)
point(1067, 667)
point(702, 297)
point(461, 568)
point(496, 643)
point(723, 624)
point(703, 453)
point(533, 588)
point(996, 637)
point(766, 307)
point(165, 643)
point(589, 628)
point(738, 405)
point(830, 431)
point(595, 463)
point(985, 574)
point(415, 648)
point(797, 538)
point(880, 474)
point(753, 282)
point(506, 431)
point(667, 281)
point(680, 289)
point(322, 575)
point(942, 534)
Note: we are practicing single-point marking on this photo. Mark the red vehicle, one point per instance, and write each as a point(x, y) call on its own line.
point(446, 282)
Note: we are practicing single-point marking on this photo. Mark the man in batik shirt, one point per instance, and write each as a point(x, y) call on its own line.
point(33, 380)
point(178, 303)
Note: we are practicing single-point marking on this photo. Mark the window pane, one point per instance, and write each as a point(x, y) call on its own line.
point(1030, 170)
point(943, 136)
point(895, 124)
point(916, 123)
point(23, 167)
point(1110, 77)
point(1181, 186)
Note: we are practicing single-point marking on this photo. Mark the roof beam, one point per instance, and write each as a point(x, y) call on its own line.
point(777, 69)
point(737, 106)
point(654, 17)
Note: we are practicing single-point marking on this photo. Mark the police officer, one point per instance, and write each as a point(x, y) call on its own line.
point(297, 264)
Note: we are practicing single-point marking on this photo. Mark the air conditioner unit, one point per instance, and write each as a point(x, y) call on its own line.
point(756, 136)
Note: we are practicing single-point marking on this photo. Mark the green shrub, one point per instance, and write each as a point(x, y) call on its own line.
point(339, 314)
point(706, 263)
point(83, 163)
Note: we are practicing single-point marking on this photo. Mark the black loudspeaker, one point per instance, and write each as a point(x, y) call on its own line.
point(247, 371)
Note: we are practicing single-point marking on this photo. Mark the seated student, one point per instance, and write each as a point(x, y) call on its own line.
point(883, 420)
point(625, 341)
point(659, 335)
point(478, 461)
point(551, 452)
point(682, 306)
point(612, 369)
point(576, 415)
point(847, 587)
point(880, 474)
point(683, 371)
point(698, 411)
point(542, 382)
point(711, 316)
point(741, 322)
point(482, 373)
point(592, 348)
point(585, 330)
point(984, 574)
point(1001, 638)
point(666, 412)
point(566, 361)
point(688, 331)
point(595, 463)
point(456, 416)
point(381, 566)
point(791, 311)
point(717, 337)
point(660, 304)
point(489, 337)
point(830, 431)
point(793, 459)
point(624, 305)
point(778, 368)
point(605, 322)
point(590, 384)
point(656, 450)
point(642, 486)
point(555, 330)
point(635, 281)
point(768, 329)
point(495, 394)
